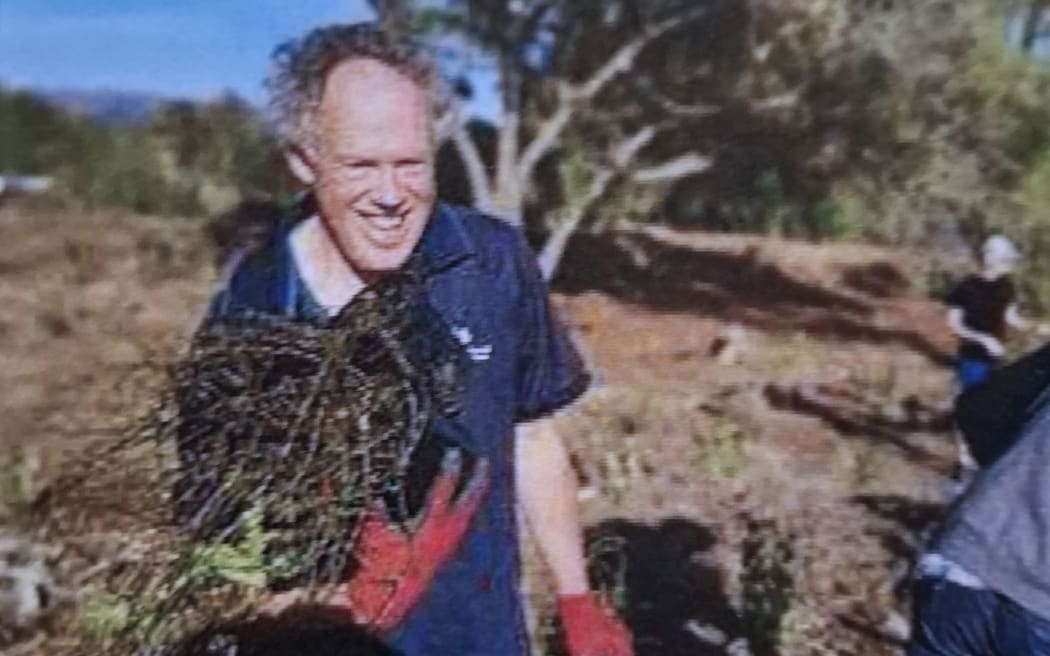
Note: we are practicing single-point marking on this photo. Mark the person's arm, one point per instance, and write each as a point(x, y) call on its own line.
point(552, 375)
point(1015, 320)
point(546, 488)
point(959, 327)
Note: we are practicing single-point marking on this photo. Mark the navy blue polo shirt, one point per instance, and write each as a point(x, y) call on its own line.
point(482, 278)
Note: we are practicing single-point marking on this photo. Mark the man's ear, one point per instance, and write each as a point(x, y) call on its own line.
point(300, 166)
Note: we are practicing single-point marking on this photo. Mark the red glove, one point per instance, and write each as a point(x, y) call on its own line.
point(397, 567)
point(591, 630)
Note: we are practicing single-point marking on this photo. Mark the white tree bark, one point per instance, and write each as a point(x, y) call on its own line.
point(675, 169)
point(502, 192)
point(572, 96)
point(550, 255)
point(621, 158)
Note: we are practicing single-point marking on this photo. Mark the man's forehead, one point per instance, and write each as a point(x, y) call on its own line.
point(365, 75)
point(369, 108)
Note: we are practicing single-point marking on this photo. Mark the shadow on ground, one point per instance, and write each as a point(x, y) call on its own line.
point(674, 593)
point(855, 414)
point(737, 287)
point(903, 524)
point(303, 632)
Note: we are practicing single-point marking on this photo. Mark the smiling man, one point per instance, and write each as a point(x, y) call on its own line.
point(369, 160)
point(356, 112)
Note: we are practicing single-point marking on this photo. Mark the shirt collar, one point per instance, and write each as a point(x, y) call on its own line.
point(445, 241)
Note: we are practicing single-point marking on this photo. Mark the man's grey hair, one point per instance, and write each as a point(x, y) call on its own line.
point(300, 68)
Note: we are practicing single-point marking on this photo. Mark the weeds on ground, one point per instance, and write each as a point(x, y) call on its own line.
point(800, 632)
point(767, 585)
point(862, 465)
point(887, 384)
point(18, 484)
point(720, 452)
point(788, 353)
point(615, 432)
point(103, 617)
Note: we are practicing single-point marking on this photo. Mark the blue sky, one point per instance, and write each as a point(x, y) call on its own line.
point(1014, 32)
point(185, 48)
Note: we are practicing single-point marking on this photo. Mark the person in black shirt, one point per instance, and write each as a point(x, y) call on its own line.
point(981, 309)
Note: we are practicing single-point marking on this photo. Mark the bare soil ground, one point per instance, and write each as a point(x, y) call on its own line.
point(767, 500)
point(85, 300)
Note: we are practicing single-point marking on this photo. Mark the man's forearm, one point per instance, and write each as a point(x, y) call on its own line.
point(546, 488)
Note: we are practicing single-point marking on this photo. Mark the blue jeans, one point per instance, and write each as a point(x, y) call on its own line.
point(953, 620)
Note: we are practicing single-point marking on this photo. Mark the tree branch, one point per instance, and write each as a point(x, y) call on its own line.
point(620, 158)
point(673, 107)
point(623, 59)
point(627, 149)
point(547, 136)
point(785, 100)
point(570, 96)
point(679, 167)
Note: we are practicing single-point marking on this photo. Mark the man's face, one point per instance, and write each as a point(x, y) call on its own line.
point(373, 164)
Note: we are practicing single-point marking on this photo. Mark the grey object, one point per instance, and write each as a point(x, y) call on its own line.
point(27, 588)
point(25, 184)
point(998, 530)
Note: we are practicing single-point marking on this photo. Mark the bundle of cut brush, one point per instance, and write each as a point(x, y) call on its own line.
point(253, 472)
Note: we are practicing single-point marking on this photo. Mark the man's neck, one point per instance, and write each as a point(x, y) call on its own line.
point(325, 272)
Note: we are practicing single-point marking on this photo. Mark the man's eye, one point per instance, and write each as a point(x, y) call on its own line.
point(356, 169)
point(412, 168)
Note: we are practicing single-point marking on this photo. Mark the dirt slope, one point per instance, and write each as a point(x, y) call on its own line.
point(777, 493)
point(768, 499)
point(85, 299)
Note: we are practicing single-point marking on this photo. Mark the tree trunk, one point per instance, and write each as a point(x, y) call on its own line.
point(509, 205)
point(508, 195)
point(554, 249)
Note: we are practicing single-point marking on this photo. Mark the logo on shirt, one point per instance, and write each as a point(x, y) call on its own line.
point(476, 352)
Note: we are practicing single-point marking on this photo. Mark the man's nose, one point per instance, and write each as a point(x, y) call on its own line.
point(387, 195)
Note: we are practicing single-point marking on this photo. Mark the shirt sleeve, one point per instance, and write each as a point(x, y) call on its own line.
point(551, 372)
point(219, 304)
point(217, 308)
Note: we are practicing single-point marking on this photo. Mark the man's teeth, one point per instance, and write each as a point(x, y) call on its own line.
point(387, 222)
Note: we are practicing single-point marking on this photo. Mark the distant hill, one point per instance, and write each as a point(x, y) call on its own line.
point(105, 106)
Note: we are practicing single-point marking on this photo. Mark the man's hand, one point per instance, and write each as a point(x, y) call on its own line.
point(591, 630)
point(396, 567)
